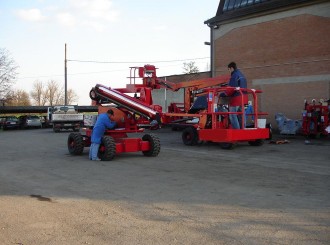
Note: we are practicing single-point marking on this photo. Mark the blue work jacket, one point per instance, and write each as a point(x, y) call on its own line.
point(102, 123)
point(237, 79)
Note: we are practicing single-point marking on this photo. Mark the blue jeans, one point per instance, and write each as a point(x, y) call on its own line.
point(93, 150)
point(234, 117)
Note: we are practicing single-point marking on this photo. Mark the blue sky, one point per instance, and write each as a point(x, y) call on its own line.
point(127, 31)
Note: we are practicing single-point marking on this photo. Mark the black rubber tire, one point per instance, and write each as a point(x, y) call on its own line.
point(256, 142)
point(270, 134)
point(107, 150)
point(75, 144)
point(92, 95)
point(269, 126)
point(312, 136)
point(227, 146)
point(190, 136)
point(174, 128)
point(56, 129)
point(154, 145)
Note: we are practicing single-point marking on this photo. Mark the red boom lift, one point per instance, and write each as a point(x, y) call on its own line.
point(127, 114)
point(214, 125)
point(131, 114)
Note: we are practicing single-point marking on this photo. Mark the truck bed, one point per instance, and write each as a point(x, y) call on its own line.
point(67, 117)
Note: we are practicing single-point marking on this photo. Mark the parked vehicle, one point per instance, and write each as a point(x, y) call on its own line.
point(2, 119)
point(30, 121)
point(65, 117)
point(9, 122)
point(43, 120)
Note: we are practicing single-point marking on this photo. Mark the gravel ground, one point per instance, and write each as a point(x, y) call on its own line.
point(272, 194)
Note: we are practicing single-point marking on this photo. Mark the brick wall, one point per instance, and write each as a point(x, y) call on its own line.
point(293, 46)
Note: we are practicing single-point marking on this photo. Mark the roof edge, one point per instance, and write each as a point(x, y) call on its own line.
point(253, 9)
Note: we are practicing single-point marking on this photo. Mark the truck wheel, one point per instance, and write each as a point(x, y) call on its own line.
point(154, 145)
point(75, 144)
point(107, 150)
point(268, 125)
point(75, 129)
point(56, 129)
point(256, 142)
point(190, 136)
point(227, 146)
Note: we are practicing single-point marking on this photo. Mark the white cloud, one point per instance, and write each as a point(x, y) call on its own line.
point(30, 15)
point(160, 28)
point(66, 19)
point(52, 8)
point(97, 26)
point(94, 14)
point(96, 9)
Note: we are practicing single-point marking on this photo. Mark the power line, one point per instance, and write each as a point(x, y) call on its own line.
point(130, 62)
point(109, 62)
point(218, 70)
point(74, 74)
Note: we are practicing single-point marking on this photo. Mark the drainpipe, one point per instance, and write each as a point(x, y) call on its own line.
point(213, 27)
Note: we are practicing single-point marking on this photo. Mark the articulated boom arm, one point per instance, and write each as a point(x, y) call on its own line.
point(151, 81)
point(194, 84)
point(142, 104)
point(102, 94)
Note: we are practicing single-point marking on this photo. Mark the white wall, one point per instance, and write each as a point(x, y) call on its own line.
point(158, 96)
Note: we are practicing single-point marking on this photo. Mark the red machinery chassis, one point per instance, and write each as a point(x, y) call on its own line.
point(215, 126)
point(115, 142)
point(226, 137)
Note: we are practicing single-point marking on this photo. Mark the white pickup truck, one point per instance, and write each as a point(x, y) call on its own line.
point(64, 117)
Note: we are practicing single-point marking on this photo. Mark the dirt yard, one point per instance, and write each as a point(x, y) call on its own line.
point(272, 194)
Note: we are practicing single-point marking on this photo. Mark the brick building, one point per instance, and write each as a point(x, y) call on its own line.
point(282, 46)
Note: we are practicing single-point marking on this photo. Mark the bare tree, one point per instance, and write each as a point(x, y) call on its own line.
point(54, 93)
point(8, 73)
point(39, 94)
point(18, 98)
point(51, 94)
point(72, 97)
point(190, 67)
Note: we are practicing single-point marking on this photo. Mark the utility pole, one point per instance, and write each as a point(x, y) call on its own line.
point(65, 78)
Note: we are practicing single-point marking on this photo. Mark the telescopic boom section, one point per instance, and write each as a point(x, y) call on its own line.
point(150, 80)
point(195, 84)
point(103, 94)
point(144, 105)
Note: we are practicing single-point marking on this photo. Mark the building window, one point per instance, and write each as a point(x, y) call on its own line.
point(235, 4)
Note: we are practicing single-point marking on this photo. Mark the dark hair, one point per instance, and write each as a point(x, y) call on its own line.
point(232, 65)
point(110, 111)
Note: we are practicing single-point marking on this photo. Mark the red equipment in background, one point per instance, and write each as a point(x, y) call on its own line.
point(316, 119)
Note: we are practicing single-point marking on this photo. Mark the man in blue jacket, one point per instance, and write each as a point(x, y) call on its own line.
point(237, 80)
point(102, 123)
